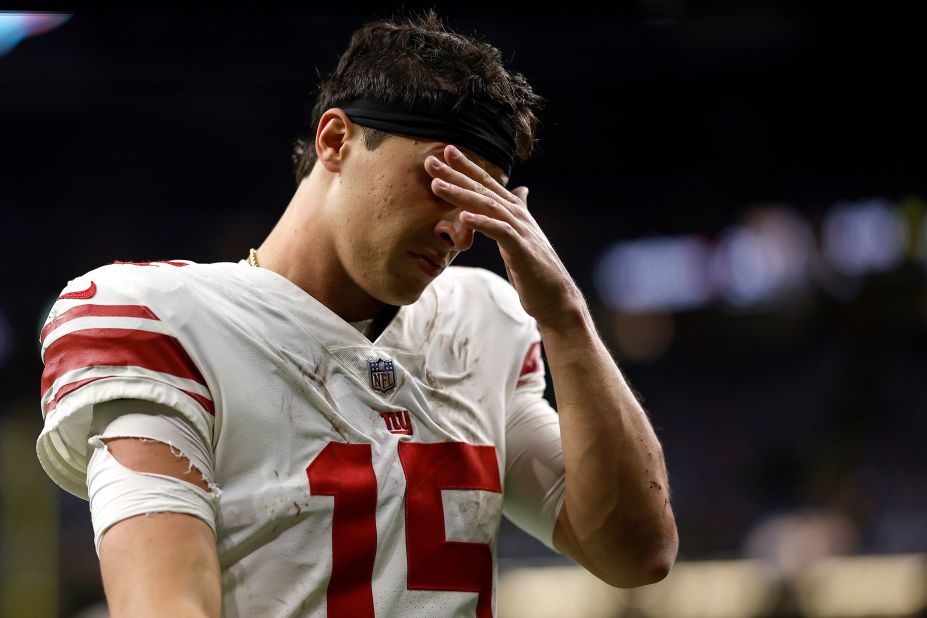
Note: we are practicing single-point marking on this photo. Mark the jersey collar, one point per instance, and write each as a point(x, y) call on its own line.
point(408, 330)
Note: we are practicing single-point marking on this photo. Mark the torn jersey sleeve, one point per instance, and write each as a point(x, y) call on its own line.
point(144, 419)
point(116, 492)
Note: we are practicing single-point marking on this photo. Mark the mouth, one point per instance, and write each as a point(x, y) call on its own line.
point(427, 265)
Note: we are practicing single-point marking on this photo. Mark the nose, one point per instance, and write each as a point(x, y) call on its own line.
point(452, 231)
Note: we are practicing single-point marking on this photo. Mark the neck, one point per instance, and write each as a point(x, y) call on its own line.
point(301, 249)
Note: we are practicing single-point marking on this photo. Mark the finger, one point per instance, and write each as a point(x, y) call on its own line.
point(522, 193)
point(482, 203)
point(500, 231)
point(443, 171)
point(458, 159)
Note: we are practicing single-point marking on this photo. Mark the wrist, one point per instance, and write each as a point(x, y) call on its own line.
point(571, 318)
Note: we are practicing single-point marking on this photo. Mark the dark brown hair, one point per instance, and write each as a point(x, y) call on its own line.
point(418, 63)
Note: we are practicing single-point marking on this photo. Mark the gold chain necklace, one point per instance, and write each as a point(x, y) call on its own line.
point(252, 258)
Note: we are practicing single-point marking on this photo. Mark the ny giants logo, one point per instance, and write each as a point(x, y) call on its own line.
point(398, 422)
point(382, 375)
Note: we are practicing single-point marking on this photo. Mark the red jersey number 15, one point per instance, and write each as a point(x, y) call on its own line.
point(346, 472)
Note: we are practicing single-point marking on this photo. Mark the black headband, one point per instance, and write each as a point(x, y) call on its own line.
point(484, 128)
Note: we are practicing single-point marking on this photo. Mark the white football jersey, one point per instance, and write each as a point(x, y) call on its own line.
point(358, 478)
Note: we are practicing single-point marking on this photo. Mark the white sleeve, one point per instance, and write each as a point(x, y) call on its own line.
point(534, 469)
point(117, 493)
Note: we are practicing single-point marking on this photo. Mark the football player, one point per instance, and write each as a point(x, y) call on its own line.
point(335, 425)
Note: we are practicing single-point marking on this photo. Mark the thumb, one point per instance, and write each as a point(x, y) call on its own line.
point(521, 193)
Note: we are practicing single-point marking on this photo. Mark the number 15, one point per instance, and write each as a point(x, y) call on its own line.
point(346, 472)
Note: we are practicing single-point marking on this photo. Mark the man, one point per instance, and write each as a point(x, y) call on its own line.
point(335, 425)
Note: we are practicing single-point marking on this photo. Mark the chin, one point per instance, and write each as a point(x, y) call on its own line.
point(399, 288)
point(407, 296)
point(406, 299)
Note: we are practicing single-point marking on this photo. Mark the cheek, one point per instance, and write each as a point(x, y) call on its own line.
point(375, 236)
point(382, 222)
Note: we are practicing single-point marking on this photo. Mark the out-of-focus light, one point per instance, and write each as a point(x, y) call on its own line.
point(654, 274)
point(790, 541)
point(14, 27)
point(765, 260)
point(914, 212)
point(863, 237)
point(555, 592)
point(711, 589)
point(704, 589)
point(642, 337)
point(864, 586)
point(769, 259)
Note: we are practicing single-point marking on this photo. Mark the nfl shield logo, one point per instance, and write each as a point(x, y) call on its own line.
point(382, 375)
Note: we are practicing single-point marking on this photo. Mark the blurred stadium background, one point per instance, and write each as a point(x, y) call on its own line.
point(741, 195)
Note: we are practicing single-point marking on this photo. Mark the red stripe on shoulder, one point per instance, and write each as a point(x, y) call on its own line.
point(153, 263)
point(99, 311)
point(532, 362)
point(205, 402)
point(118, 347)
point(81, 294)
point(67, 389)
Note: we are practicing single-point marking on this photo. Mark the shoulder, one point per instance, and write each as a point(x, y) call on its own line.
point(160, 275)
point(120, 331)
point(492, 311)
point(125, 278)
point(164, 284)
point(480, 287)
point(129, 315)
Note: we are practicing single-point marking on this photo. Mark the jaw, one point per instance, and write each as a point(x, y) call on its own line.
point(407, 291)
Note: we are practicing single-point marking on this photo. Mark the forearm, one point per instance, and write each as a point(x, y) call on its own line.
point(617, 492)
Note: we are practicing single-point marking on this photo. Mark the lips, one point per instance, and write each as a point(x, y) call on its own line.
point(428, 264)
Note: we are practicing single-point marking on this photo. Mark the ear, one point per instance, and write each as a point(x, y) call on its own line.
point(331, 138)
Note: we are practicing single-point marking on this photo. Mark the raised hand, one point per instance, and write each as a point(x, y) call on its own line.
point(547, 291)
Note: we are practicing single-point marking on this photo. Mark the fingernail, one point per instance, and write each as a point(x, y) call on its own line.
point(442, 184)
point(454, 151)
point(436, 161)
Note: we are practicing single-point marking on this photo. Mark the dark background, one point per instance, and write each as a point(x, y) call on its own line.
point(149, 137)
